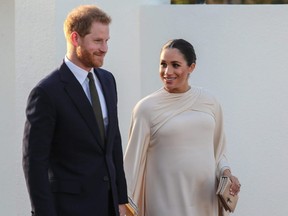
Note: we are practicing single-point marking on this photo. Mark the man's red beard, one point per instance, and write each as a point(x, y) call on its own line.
point(88, 59)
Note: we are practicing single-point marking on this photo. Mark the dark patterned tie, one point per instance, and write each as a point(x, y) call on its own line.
point(96, 105)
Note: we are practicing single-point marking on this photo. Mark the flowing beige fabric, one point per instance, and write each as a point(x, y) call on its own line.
point(176, 151)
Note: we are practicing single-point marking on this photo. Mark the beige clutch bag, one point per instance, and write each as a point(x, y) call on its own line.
point(228, 201)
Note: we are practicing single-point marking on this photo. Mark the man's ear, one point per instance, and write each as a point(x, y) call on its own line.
point(74, 37)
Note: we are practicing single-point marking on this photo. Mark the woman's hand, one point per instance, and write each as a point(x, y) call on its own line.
point(235, 187)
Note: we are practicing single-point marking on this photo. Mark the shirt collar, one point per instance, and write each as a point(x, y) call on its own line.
point(79, 73)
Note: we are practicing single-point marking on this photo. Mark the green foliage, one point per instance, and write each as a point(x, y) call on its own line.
point(229, 1)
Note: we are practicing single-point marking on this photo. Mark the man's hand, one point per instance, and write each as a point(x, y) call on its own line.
point(122, 210)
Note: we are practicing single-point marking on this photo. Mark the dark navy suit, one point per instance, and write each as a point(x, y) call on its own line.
point(68, 171)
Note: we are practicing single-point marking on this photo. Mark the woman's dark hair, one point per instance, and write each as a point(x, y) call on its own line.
point(184, 47)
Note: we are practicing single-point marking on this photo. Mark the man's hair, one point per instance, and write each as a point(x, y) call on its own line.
point(81, 18)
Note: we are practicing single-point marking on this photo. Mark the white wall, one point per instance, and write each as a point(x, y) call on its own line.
point(7, 96)
point(242, 52)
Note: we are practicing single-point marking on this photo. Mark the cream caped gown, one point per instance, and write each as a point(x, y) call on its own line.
point(176, 150)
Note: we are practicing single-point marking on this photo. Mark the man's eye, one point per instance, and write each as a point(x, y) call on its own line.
point(98, 41)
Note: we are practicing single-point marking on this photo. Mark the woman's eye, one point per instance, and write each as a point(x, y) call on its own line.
point(164, 65)
point(176, 65)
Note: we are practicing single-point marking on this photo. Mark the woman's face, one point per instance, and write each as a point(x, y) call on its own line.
point(174, 71)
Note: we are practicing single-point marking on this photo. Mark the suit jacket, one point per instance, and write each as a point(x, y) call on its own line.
point(68, 171)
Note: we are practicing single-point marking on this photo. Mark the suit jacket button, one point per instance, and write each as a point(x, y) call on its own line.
point(106, 178)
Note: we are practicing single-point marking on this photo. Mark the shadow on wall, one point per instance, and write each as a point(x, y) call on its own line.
point(229, 1)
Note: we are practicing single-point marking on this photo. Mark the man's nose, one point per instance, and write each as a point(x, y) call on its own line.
point(104, 47)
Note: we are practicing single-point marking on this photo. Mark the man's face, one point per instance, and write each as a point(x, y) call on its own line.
point(92, 47)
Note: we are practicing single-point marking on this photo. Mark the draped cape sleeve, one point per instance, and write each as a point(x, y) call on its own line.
point(136, 154)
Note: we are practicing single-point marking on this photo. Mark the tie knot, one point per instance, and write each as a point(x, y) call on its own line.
point(90, 76)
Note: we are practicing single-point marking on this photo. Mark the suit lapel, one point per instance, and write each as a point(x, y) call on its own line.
point(79, 98)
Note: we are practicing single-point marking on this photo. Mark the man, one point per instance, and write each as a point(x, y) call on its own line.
point(70, 168)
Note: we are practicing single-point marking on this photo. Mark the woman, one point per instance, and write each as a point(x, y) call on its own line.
point(176, 148)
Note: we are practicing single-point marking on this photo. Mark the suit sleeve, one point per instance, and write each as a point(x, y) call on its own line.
point(38, 135)
point(120, 176)
point(118, 156)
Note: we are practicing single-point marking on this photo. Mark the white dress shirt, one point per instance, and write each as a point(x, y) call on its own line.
point(81, 76)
